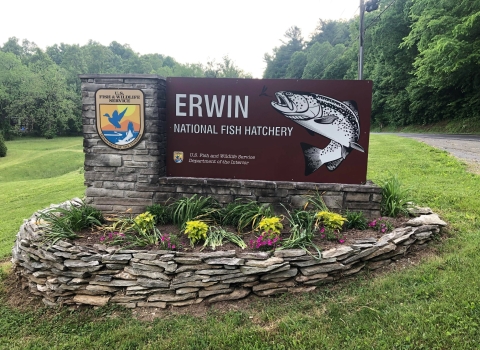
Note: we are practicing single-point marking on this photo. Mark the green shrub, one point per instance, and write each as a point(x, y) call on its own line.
point(330, 220)
point(243, 214)
point(161, 213)
point(144, 222)
point(302, 225)
point(3, 146)
point(216, 235)
point(65, 223)
point(395, 199)
point(270, 224)
point(194, 208)
point(356, 220)
point(195, 231)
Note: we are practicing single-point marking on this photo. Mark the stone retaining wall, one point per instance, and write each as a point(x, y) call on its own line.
point(66, 273)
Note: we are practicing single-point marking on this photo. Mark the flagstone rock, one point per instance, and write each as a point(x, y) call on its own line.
point(188, 260)
point(225, 261)
point(289, 253)
point(91, 300)
point(171, 297)
point(238, 293)
point(80, 263)
point(388, 248)
point(145, 273)
point(268, 292)
point(145, 282)
point(264, 263)
point(312, 270)
point(186, 302)
point(254, 256)
point(159, 304)
point(280, 275)
point(332, 253)
point(207, 293)
point(432, 219)
point(248, 270)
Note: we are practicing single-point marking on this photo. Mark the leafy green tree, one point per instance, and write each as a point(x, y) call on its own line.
point(278, 62)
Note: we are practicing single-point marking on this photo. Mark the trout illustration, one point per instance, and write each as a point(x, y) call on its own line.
point(337, 121)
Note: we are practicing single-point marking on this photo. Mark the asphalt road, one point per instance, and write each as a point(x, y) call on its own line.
point(465, 147)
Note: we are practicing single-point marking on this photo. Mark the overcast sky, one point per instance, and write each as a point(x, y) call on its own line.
point(191, 31)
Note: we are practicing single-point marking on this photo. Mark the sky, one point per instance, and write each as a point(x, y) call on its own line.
point(191, 31)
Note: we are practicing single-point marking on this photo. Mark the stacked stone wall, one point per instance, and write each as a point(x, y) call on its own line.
point(119, 179)
point(68, 273)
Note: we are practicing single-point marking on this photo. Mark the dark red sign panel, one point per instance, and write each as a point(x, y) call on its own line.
point(283, 130)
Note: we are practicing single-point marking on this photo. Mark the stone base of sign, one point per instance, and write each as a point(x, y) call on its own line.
point(338, 197)
point(65, 273)
point(114, 176)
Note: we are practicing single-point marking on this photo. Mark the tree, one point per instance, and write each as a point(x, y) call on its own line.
point(277, 63)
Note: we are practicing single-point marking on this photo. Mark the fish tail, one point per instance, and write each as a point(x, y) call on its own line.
point(333, 164)
point(312, 158)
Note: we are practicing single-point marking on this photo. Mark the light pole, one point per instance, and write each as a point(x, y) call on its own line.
point(370, 6)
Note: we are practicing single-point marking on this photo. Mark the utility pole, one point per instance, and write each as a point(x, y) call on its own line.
point(371, 5)
point(362, 32)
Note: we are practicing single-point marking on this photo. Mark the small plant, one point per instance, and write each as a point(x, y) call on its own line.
point(381, 225)
point(113, 238)
point(135, 232)
point(270, 224)
point(66, 223)
point(301, 230)
point(161, 214)
point(330, 220)
point(243, 214)
point(395, 200)
point(331, 235)
point(144, 222)
point(316, 202)
point(195, 231)
point(356, 220)
point(266, 241)
point(194, 208)
point(216, 235)
point(169, 242)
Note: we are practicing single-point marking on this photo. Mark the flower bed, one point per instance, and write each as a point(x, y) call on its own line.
point(67, 272)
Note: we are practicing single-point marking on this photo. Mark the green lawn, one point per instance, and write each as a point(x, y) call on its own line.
point(34, 174)
point(435, 305)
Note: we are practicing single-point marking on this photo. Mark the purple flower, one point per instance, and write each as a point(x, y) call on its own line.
point(102, 238)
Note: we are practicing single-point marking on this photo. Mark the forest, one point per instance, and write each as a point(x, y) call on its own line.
point(423, 57)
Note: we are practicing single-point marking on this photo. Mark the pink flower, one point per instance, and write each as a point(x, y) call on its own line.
point(102, 238)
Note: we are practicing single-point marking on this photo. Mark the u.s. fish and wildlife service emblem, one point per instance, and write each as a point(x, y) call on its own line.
point(178, 157)
point(120, 116)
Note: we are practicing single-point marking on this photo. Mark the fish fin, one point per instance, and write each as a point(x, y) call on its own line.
point(327, 119)
point(312, 160)
point(334, 164)
point(310, 132)
point(356, 146)
point(345, 152)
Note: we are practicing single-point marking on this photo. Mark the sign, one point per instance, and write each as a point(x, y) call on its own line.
point(279, 130)
point(120, 117)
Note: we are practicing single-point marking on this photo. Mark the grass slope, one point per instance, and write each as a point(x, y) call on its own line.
point(435, 305)
point(34, 174)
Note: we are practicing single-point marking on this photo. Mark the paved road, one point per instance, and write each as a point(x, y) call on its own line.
point(465, 147)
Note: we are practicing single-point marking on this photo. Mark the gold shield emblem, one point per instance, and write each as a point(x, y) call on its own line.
point(177, 157)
